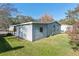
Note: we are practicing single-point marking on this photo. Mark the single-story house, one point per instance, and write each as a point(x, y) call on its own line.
point(35, 30)
point(65, 27)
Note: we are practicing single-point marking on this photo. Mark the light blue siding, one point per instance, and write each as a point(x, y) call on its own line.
point(32, 32)
point(48, 29)
point(36, 31)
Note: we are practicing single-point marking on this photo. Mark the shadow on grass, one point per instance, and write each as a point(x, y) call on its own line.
point(5, 46)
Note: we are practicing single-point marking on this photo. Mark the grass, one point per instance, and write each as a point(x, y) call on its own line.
point(57, 45)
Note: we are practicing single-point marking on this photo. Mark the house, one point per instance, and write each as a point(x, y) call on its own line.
point(35, 30)
point(11, 28)
point(65, 27)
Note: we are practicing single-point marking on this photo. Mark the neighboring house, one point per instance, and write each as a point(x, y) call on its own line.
point(35, 30)
point(65, 27)
point(11, 28)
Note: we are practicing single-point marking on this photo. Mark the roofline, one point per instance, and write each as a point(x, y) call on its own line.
point(37, 23)
point(57, 22)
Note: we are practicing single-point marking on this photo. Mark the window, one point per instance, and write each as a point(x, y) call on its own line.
point(53, 26)
point(14, 28)
point(41, 29)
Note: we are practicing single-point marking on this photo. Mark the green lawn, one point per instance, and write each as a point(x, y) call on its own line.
point(57, 45)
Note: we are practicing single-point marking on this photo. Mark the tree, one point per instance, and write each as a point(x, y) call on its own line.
point(46, 19)
point(22, 19)
point(73, 14)
point(67, 22)
point(74, 36)
point(71, 18)
point(62, 21)
point(6, 11)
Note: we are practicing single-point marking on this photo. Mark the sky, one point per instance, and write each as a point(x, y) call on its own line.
point(36, 10)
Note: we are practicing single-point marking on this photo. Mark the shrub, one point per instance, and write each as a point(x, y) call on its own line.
point(74, 36)
point(8, 34)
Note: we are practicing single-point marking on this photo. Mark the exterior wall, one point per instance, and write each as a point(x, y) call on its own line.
point(53, 28)
point(64, 28)
point(36, 31)
point(48, 29)
point(56, 28)
point(11, 28)
point(24, 31)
